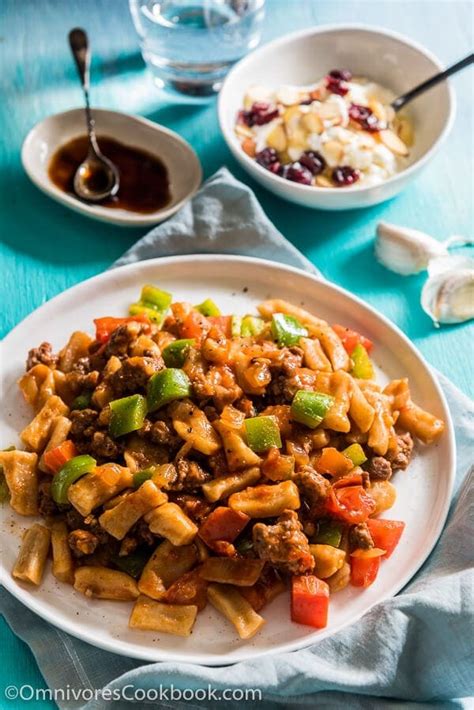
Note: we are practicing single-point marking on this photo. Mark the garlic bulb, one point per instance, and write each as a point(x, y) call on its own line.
point(404, 250)
point(448, 294)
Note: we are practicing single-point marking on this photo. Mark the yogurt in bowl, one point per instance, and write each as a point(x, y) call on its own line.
point(293, 64)
point(336, 132)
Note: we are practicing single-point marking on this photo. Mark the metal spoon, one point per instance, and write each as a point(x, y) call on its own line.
point(96, 177)
point(397, 104)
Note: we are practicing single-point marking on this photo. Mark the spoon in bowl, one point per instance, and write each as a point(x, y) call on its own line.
point(96, 177)
point(402, 100)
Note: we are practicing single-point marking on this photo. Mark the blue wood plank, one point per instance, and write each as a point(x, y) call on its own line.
point(45, 248)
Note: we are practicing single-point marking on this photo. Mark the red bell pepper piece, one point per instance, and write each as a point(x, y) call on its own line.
point(350, 504)
point(309, 601)
point(105, 326)
point(351, 479)
point(386, 534)
point(222, 323)
point(54, 459)
point(364, 570)
point(222, 524)
point(351, 338)
point(333, 462)
point(196, 326)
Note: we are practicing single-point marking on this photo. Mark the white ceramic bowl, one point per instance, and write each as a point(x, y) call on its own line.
point(182, 162)
point(302, 58)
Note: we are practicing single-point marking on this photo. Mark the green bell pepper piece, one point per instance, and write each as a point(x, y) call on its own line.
point(208, 308)
point(141, 476)
point(82, 401)
point(251, 325)
point(356, 454)
point(141, 308)
point(166, 386)
point(128, 414)
point(235, 326)
point(176, 352)
point(72, 470)
point(287, 330)
point(133, 563)
point(362, 368)
point(262, 433)
point(329, 533)
point(154, 297)
point(310, 408)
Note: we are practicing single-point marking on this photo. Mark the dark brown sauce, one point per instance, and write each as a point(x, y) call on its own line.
point(144, 181)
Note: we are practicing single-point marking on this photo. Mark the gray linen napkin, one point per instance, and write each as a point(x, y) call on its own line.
point(416, 646)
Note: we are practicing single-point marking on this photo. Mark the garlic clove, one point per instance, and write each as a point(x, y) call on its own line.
point(448, 294)
point(404, 250)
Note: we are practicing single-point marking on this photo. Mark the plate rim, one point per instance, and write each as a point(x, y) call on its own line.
point(243, 653)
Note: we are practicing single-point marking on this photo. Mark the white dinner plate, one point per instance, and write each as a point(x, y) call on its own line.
point(237, 284)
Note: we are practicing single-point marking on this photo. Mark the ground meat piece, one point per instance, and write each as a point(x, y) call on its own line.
point(143, 533)
point(122, 338)
point(190, 476)
point(83, 424)
point(43, 355)
point(360, 537)
point(195, 507)
point(129, 544)
point(284, 544)
point(161, 433)
point(218, 464)
point(134, 374)
point(379, 469)
point(82, 542)
point(314, 488)
point(104, 447)
point(78, 382)
point(403, 455)
point(46, 505)
point(293, 360)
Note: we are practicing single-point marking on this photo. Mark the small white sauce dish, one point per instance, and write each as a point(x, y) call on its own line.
point(301, 58)
point(183, 165)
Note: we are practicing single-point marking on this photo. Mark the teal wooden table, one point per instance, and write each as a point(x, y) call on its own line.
point(46, 248)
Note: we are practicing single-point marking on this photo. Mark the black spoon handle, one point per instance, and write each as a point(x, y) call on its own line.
point(79, 44)
point(429, 83)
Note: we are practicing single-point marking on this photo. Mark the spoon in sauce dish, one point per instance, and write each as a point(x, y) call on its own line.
point(402, 101)
point(97, 177)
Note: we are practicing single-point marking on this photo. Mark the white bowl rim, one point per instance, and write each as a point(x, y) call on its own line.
point(321, 29)
point(30, 601)
point(119, 216)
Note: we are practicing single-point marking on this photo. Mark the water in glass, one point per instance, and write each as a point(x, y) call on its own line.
point(190, 45)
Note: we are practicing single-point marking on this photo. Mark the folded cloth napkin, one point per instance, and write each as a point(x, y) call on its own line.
point(416, 646)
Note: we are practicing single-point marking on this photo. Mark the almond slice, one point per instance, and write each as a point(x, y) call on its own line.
point(378, 110)
point(277, 138)
point(404, 130)
point(333, 151)
point(312, 123)
point(393, 142)
point(323, 181)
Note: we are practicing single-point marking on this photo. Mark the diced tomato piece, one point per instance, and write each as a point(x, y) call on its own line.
point(223, 524)
point(350, 503)
point(106, 326)
point(222, 323)
point(195, 325)
point(54, 459)
point(364, 570)
point(386, 534)
point(333, 462)
point(351, 479)
point(351, 338)
point(188, 589)
point(309, 601)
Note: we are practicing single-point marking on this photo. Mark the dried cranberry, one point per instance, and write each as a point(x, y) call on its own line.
point(336, 86)
point(268, 159)
point(364, 117)
point(341, 74)
point(297, 173)
point(313, 161)
point(259, 114)
point(345, 175)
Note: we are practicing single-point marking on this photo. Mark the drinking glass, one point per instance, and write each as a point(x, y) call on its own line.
point(189, 45)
